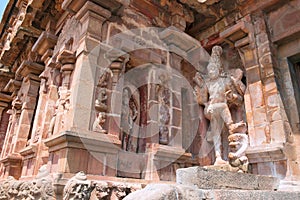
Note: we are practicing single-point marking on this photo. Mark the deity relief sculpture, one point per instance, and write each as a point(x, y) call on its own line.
point(164, 109)
point(217, 92)
point(61, 107)
point(100, 102)
point(128, 117)
point(101, 99)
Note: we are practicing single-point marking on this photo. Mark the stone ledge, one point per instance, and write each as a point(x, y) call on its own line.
point(265, 153)
point(175, 191)
point(215, 179)
point(88, 140)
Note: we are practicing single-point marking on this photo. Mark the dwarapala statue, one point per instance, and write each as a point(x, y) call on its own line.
point(218, 91)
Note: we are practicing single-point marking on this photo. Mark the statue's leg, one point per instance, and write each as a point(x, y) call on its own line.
point(226, 115)
point(216, 129)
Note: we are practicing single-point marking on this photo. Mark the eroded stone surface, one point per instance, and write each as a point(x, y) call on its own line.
point(178, 192)
point(216, 179)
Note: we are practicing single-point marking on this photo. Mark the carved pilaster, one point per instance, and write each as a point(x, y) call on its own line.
point(250, 37)
point(114, 113)
point(67, 59)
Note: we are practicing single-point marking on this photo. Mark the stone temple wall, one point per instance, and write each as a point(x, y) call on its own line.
point(106, 87)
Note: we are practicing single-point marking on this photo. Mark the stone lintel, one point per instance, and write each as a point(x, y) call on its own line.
point(215, 179)
point(287, 35)
point(235, 33)
point(265, 153)
point(88, 141)
point(173, 36)
point(45, 42)
point(29, 67)
point(5, 98)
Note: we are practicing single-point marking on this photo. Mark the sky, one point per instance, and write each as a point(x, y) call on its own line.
point(3, 4)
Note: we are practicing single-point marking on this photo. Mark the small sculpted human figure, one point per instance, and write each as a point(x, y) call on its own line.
point(99, 122)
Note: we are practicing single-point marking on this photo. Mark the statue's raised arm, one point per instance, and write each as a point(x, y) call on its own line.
point(200, 89)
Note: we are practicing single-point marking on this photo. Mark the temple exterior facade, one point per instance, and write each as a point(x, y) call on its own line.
point(123, 91)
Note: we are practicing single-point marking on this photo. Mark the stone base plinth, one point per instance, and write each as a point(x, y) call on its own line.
point(269, 160)
point(12, 166)
point(176, 191)
point(93, 153)
point(215, 179)
point(163, 161)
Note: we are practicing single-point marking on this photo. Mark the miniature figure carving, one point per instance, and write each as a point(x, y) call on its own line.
point(100, 102)
point(53, 120)
point(105, 75)
point(101, 99)
point(99, 122)
point(215, 92)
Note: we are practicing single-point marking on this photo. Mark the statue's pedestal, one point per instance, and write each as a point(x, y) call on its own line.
point(204, 183)
point(217, 179)
point(225, 167)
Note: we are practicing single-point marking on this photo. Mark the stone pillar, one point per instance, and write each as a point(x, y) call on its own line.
point(36, 153)
point(76, 147)
point(265, 115)
point(28, 95)
point(114, 104)
point(176, 104)
point(67, 60)
point(13, 121)
point(22, 113)
point(91, 17)
point(4, 117)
